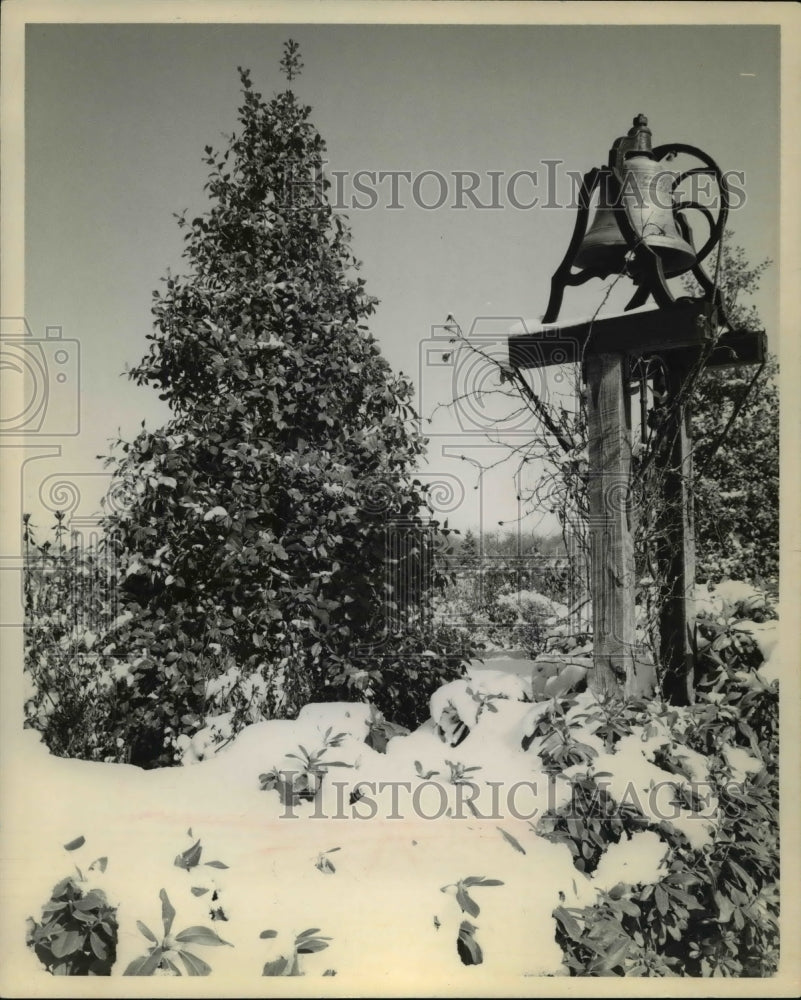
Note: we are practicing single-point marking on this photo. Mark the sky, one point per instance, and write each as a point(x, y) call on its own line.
point(117, 116)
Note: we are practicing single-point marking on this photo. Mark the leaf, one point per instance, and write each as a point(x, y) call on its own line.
point(629, 908)
point(199, 935)
point(145, 965)
point(481, 880)
point(189, 858)
point(73, 845)
point(199, 890)
point(743, 875)
point(194, 966)
point(308, 933)
point(467, 946)
point(510, 840)
point(311, 945)
point(725, 908)
point(147, 932)
point(66, 943)
point(98, 945)
point(466, 902)
point(215, 864)
point(662, 900)
point(93, 900)
point(617, 954)
point(568, 921)
point(268, 934)
point(275, 968)
point(167, 911)
point(100, 863)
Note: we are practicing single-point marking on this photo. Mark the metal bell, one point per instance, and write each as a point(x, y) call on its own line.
point(647, 198)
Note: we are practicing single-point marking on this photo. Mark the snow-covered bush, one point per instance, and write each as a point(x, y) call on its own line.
point(715, 910)
point(92, 698)
point(73, 673)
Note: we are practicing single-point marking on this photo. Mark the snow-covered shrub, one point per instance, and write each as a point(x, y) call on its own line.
point(381, 731)
point(456, 707)
point(555, 739)
point(530, 605)
point(590, 822)
point(715, 910)
point(92, 698)
point(737, 631)
point(401, 683)
point(73, 672)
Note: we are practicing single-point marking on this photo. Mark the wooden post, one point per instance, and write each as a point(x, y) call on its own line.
point(676, 543)
point(680, 334)
point(611, 543)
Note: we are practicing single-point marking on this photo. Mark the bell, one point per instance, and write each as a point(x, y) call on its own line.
point(647, 196)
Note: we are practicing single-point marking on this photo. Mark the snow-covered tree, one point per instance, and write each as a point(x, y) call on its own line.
point(256, 536)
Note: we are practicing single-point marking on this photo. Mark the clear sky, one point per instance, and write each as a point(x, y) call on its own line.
point(117, 117)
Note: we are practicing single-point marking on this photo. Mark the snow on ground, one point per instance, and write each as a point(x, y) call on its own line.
point(369, 871)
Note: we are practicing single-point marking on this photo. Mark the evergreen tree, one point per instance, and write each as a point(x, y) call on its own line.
point(468, 555)
point(256, 532)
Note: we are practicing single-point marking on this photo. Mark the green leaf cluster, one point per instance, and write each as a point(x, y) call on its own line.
point(77, 935)
point(163, 955)
point(308, 942)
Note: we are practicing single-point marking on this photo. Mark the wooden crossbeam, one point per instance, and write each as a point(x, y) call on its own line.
point(683, 327)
